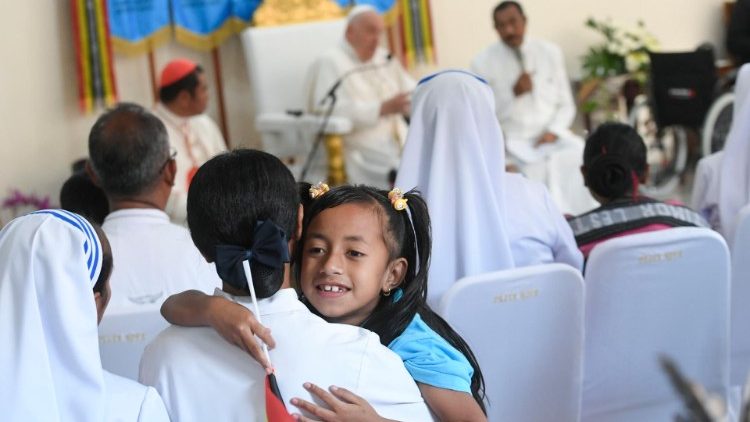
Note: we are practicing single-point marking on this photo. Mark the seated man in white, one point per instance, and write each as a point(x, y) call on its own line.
point(183, 98)
point(373, 93)
point(54, 271)
point(244, 205)
point(535, 107)
point(130, 160)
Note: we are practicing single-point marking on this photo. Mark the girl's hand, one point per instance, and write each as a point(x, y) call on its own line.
point(238, 325)
point(344, 406)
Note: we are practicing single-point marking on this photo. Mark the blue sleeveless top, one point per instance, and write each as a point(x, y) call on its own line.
point(430, 359)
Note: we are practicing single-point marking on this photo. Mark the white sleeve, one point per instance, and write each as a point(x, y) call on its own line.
point(564, 249)
point(389, 388)
point(152, 408)
point(566, 108)
point(361, 112)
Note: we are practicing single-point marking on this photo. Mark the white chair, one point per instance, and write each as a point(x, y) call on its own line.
point(652, 294)
point(740, 308)
point(525, 327)
point(278, 59)
point(124, 334)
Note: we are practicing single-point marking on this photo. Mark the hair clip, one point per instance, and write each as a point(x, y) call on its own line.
point(318, 189)
point(397, 199)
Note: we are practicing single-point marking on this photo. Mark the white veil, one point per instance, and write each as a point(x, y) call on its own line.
point(50, 366)
point(734, 182)
point(455, 155)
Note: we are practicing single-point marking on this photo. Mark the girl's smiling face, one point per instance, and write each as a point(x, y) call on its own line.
point(346, 264)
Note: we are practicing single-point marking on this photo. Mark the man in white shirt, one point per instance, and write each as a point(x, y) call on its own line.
point(535, 107)
point(374, 94)
point(154, 258)
point(243, 205)
point(183, 96)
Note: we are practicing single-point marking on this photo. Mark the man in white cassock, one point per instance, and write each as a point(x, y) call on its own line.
point(183, 98)
point(535, 108)
point(130, 160)
point(244, 205)
point(374, 94)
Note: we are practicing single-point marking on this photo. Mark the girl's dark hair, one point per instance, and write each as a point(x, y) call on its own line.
point(229, 194)
point(410, 238)
point(614, 159)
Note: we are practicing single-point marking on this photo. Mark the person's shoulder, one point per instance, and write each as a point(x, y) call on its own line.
point(121, 386)
point(520, 185)
point(546, 46)
point(182, 345)
point(486, 54)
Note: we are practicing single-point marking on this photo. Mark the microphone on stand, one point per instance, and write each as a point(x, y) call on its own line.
point(519, 57)
point(331, 94)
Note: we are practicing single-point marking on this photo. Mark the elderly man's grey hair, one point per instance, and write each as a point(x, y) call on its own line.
point(128, 149)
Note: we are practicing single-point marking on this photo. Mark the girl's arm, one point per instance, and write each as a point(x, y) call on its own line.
point(343, 405)
point(234, 322)
point(450, 405)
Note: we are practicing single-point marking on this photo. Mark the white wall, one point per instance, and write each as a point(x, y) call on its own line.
point(465, 27)
point(42, 131)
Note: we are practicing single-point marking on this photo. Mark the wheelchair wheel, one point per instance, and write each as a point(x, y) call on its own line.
point(717, 124)
point(666, 151)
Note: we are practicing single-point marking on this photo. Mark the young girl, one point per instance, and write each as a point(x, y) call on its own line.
point(364, 260)
point(614, 165)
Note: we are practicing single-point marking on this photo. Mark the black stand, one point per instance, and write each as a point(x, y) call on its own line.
point(321, 132)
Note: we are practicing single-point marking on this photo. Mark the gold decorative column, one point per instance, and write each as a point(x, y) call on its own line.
point(335, 152)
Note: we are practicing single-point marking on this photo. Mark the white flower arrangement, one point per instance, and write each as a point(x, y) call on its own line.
point(624, 50)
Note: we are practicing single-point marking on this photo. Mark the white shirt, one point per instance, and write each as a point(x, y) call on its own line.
point(548, 107)
point(196, 140)
point(153, 259)
point(129, 401)
point(202, 377)
point(374, 146)
point(539, 233)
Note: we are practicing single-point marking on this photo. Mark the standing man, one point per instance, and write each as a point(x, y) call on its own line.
point(183, 97)
point(535, 107)
point(374, 94)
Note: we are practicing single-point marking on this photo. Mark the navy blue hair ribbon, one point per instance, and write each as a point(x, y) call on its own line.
point(269, 248)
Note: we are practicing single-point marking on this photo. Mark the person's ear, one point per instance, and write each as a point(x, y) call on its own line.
point(89, 169)
point(170, 172)
point(395, 274)
point(297, 234)
point(646, 173)
point(300, 217)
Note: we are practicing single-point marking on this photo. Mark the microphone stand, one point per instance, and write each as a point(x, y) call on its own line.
point(321, 131)
point(329, 111)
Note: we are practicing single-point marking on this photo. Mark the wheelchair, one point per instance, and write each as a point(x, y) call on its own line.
point(685, 101)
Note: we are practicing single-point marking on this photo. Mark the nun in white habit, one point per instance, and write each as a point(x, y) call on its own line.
point(50, 262)
point(483, 219)
point(719, 202)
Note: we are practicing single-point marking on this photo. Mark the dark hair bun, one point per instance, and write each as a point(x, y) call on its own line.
point(610, 176)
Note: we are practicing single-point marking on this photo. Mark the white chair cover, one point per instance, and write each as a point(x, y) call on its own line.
point(124, 334)
point(647, 295)
point(740, 303)
point(278, 59)
point(525, 327)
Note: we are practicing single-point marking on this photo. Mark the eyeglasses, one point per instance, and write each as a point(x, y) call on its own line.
point(172, 155)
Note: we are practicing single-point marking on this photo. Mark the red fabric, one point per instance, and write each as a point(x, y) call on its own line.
point(275, 410)
point(176, 70)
